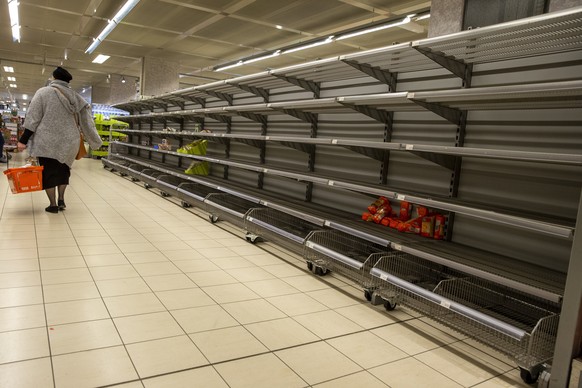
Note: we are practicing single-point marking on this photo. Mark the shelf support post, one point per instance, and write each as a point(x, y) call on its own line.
point(383, 76)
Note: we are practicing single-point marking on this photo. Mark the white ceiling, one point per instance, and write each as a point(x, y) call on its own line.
point(197, 34)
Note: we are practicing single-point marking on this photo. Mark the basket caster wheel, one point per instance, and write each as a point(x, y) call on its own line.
point(123, 174)
point(185, 204)
point(147, 186)
point(320, 271)
point(310, 265)
point(164, 194)
point(527, 376)
point(368, 295)
point(213, 219)
point(251, 238)
point(389, 306)
point(134, 179)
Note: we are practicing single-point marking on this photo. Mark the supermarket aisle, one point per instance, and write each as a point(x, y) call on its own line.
point(125, 288)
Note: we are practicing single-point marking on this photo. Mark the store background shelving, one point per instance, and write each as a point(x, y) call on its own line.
point(482, 124)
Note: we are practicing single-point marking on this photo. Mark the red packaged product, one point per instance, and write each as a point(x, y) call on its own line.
point(379, 203)
point(439, 227)
point(427, 229)
point(394, 222)
point(405, 208)
point(366, 217)
point(421, 211)
point(386, 221)
point(383, 211)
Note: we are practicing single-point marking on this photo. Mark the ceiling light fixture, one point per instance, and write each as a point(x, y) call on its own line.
point(279, 27)
point(307, 46)
point(239, 63)
point(13, 85)
point(101, 58)
point(406, 20)
point(14, 22)
point(13, 79)
point(423, 17)
point(9, 69)
point(111, 24)
point(275, 54)
point(25, 96)
point(122, 79)
point(66, 54)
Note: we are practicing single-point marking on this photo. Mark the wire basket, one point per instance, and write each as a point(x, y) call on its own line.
point(280, 227)
point(343, 253)
point(229, 207)
point(477, 308)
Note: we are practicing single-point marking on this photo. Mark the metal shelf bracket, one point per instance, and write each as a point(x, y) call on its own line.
point(459, 68)
point(381, 116)
point(310, 86)
point(258, 118)
point(221, 96)
point(373, 71)
point(264, 93)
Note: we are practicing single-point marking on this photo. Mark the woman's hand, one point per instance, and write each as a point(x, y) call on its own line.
point(21, 147)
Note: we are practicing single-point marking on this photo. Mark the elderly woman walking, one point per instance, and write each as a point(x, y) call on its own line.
point(55, 119)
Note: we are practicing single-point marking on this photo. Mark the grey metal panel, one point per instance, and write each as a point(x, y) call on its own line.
point(284, 187)
point(242, 177)
point(350, 203)
point(281, 157)
point(551, 190)
point(244, 153)
point(417, 175)
point(504, 240)
point(341, 163)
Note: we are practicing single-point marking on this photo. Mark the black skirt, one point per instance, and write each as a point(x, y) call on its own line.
point(54, 173)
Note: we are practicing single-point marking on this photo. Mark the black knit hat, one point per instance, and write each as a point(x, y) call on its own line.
point(62, 74)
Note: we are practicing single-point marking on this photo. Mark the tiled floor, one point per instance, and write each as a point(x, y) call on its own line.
point(125, 288)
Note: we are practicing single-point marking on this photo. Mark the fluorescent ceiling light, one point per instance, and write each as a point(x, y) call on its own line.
point(14, 21)
point(374, 29)
point(423, 17)
point(101, 58)
point(13, 85)
point(279, 27)
point(307, 46)
point(13, 79)
point(275, 54)
point(9, 69)
point(25, 96)
point(125, 9)
point(239, 63)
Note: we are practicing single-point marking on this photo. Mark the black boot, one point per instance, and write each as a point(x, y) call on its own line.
point(61, 204)
point(52, 209)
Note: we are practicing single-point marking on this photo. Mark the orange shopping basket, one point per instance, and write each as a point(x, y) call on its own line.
point(24, 179)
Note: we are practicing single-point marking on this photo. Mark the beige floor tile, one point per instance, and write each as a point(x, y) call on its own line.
point(152, 269)
point(22, 317)
point(167, 355)
point(64, 276)
point(283, 270)
point(232, 262)
point(166, 246)
point(93, 368)
point(413, 339)
point(17, 244)
point(70, 291)
point(162, 237)
point(56, 242)
point(117, 287)
point(196, 265)
point(19, 254)
point(185, 298)
point(204, 377)
point(463, 364)
point(80, 233)
point(272, 287)
point(136, 247)
point(20, 296)
point(106, 260)
point(120, 306)
point(207, 245)
point(103, 249)
point(259, 259)
point(369, 316)
point(306, 283)
point(360, 379)
point(366, 349)
point(169, 282)
point(411, 373)
point(194, 320)
point(250, 274)
point(296, 304)
point(183, 254)
point(264, 371)
point(93, 240)
point(10, 266)
point(211, 278)
point(62, 263)
point(20, 279)
point(81, 336)
point(45, 253)
point(26, 374)
point(113, 272)
point(334, 298)
point(230, 293)
point(153, 256)
point(252, 311)
point(227, 344)
point(507, 380)
point(281, 333)
point(317, 362)
point(75, 311)
point(327, 324)
point(23, 345)
point(146, 327)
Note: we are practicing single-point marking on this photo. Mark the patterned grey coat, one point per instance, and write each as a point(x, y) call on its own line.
point(51, 117)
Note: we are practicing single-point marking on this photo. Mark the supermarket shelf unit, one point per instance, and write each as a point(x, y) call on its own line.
point(434, 117)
